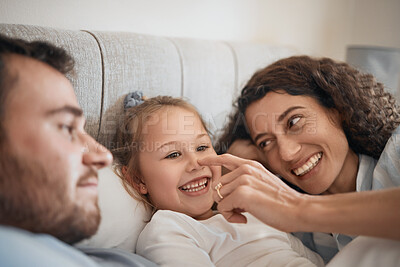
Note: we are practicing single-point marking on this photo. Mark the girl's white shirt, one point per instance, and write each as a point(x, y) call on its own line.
point(175, 239)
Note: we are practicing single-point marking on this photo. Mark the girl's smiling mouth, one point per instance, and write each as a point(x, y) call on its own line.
point(196, 186)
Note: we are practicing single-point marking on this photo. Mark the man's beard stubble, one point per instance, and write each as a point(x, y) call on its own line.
point(31, 200)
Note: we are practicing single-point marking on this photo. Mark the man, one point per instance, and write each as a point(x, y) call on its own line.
point(48, 163)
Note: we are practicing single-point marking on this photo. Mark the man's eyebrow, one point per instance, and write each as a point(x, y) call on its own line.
point(77, 112)
point(280, 118)
point(174, 142)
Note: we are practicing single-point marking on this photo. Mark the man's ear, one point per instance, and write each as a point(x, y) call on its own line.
point(137, 183)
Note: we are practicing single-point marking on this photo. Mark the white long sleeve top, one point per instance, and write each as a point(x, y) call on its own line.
point(175, 239)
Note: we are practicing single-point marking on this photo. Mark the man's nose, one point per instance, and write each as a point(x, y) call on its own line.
point(95, 154)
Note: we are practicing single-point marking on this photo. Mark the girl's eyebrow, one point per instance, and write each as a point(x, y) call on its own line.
point(167, 144)
point(175, 142)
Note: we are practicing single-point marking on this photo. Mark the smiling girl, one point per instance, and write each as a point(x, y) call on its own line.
point(163, 138)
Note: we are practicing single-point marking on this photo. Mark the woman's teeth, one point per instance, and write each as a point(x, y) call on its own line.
point(195, 186)
point(309, 165)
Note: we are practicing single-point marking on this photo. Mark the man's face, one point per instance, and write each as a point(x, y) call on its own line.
point(48, 175)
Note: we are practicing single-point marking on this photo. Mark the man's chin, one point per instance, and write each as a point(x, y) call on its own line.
point(79, 227)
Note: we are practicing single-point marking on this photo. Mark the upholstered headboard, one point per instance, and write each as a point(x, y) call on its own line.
point(209, 74)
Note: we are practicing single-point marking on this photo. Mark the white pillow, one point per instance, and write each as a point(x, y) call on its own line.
point(123, 218)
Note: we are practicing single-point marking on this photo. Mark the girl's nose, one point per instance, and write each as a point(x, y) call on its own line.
point(192, 163)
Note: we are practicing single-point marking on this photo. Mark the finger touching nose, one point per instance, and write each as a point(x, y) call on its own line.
point(228, 161)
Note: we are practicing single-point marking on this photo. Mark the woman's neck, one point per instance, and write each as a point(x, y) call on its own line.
point(346, 180)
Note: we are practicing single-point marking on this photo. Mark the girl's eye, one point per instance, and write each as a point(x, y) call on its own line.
point(293, 121)
point(202, 148)
point(173, 155)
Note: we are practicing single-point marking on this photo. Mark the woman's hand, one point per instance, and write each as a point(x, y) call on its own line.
point(249, 187)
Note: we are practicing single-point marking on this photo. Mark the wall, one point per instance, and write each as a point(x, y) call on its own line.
point(316, 27)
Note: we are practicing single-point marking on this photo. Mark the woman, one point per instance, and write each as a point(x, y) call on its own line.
point(322, 126)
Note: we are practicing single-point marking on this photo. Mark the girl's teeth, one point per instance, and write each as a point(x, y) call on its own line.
point(196, 186)
point(196, 189)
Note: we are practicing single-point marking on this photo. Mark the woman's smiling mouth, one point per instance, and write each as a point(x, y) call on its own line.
point(308, 166)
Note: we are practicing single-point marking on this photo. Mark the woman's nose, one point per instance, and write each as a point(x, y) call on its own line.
point(95, 154)
point(288, 147)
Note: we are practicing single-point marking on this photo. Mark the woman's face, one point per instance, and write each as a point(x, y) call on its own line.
point(303, 142)
point(174, 139)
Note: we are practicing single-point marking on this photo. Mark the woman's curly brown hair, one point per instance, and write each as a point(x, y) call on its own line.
point(369, 114)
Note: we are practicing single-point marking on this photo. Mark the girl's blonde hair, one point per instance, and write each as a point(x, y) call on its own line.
point(130, 141)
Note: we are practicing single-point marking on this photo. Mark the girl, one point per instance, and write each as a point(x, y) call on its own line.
point(163, 140)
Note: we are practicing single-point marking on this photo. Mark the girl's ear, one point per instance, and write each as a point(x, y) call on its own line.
point(137, 184)
point(141, 188)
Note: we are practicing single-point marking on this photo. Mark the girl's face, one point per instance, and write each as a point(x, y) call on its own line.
point(303, 142)
point(174, 139)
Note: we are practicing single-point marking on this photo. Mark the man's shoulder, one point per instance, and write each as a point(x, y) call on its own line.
point(116, 257)
point(22, 248)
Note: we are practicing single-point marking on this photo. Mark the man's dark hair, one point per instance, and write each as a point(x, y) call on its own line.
point(45, 52)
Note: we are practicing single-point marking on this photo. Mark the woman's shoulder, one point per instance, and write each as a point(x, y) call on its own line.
point(397, 131)
point(387, 171)
point(392, 147)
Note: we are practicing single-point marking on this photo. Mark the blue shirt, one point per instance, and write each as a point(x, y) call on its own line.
point(372, 175)
point(22, 248)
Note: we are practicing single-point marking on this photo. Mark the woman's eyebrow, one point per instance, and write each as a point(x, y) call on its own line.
point(284, 114)
point(259, 136)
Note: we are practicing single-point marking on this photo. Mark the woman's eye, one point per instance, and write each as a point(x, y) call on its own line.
point(173, 155)
point(202, 148)
point(264, 143)
point(293, 121)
